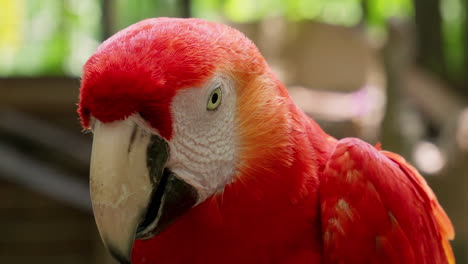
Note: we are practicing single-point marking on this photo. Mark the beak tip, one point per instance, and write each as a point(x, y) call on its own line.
point(121, 258)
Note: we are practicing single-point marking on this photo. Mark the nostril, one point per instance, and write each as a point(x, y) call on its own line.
point(142, 115)
point(84, 114)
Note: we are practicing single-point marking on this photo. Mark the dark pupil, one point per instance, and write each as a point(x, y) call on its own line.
point(214, 98)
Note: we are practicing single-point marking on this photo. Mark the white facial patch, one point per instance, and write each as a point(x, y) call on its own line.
point(202, 148)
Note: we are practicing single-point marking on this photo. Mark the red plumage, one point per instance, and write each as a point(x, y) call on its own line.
point(292, 197)
point(374, 202)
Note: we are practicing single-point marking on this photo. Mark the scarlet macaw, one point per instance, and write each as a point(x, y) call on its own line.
point(200, 156)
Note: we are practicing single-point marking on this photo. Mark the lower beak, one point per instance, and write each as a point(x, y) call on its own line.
point(133, 195)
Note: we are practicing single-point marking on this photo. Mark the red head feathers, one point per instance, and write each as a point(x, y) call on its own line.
point(140, 69)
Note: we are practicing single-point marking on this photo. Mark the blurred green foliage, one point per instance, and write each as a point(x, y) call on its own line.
point(345, 12)
point(453, 17)
point(131, 11)
point(47, 37)
point(381, 10)
point(55, 37)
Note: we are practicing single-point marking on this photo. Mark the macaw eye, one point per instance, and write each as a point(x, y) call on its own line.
point(215, 99)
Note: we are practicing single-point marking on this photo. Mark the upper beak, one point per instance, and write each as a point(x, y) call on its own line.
point(133, 194)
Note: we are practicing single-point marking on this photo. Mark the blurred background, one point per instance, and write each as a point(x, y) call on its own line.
point(390, 71)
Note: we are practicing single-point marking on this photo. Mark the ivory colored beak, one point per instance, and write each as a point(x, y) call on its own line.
point(120, 183)
point(133, 195)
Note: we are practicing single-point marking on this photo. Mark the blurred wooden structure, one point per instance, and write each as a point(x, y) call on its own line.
point(44, 201)
point(37, 229)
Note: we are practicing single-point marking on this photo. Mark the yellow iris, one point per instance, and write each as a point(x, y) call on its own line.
point(215, 99)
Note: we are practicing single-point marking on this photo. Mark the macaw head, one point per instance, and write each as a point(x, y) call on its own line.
point(179, 109)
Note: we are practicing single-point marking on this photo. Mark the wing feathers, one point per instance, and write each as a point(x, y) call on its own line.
point(445, 225)
point(376, 208)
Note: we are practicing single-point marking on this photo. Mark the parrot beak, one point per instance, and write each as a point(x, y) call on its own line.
point(133, 195)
